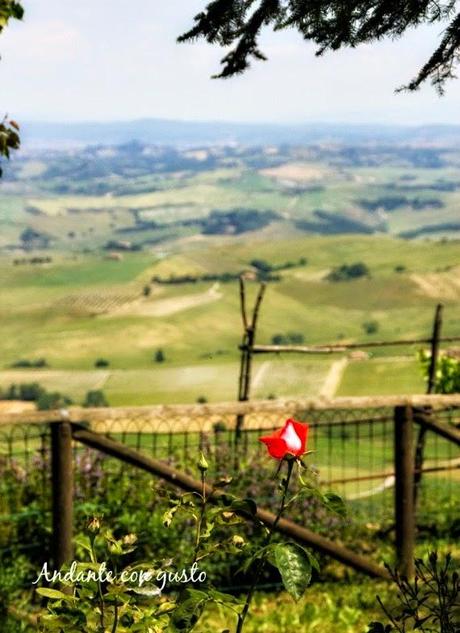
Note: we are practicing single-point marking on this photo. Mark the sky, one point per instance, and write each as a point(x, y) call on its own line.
point(109, 60)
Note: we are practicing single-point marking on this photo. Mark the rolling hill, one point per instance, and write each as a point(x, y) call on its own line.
point(115, 251)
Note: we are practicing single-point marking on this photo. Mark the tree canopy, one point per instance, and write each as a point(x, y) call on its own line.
point(9, 9)
point(331, 25)
point(9, 137)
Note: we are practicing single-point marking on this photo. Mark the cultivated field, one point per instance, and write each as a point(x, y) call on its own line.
point(82, 307)
point(123, 218)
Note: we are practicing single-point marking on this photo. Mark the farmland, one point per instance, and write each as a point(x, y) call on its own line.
point(123, 285)
point(82, 307)
point(84, 233)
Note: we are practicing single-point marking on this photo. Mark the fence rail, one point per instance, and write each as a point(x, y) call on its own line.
point(259, 407)
point(332, 348)
point(356, 440)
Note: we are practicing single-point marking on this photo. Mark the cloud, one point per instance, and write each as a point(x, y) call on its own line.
point(47, 41)
point(112, 59)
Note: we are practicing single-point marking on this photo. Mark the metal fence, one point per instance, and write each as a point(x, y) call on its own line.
point(352, 440)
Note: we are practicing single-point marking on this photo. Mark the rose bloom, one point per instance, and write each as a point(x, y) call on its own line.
point(290, 440)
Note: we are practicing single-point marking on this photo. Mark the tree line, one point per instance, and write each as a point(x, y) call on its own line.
point(263, 271)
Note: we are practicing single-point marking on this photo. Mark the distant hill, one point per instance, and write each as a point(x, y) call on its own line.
point(188, 133)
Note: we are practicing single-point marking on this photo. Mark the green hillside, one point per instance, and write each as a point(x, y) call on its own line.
point(115, 252)
point(79, 308)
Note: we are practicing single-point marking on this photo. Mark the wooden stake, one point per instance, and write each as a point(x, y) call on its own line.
point(404, 486)
point(431, 386)
point(62, 490)
point(244, 383)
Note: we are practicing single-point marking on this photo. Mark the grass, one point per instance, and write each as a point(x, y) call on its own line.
point(69, 312)
point(214, 379)
point(325, 608)
point(382, 377)
point(82, 307)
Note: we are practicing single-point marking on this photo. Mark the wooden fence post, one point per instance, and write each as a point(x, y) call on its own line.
point(431, 386)
point(62, 492)
point(404, 489)
point(249, 334)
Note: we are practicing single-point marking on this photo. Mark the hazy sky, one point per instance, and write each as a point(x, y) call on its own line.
point(118, 59)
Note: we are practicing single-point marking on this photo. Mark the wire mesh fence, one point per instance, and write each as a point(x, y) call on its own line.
point(353, 455)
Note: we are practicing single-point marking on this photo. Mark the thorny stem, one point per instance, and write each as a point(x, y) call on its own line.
point(115, 617)
point(261, 561)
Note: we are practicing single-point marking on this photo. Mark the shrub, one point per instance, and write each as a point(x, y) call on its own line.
point(264, 268)
point(447, 372)
point(370, 327)
point(12, 393)
point(95, 398)
point(29, 392)
point(346, 272)
point(52, 400)
point(159, 356)
point(25, 363)
point(101, 362)
point(428, 603)
point(261, 264)
point(291, 338)
point(201, 399)
point(236, 221)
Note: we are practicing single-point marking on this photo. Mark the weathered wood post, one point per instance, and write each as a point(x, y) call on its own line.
point(431, 386)
point(62, 492)
point(249, 334)
point(404, 489)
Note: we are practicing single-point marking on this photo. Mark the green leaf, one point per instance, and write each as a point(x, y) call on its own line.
point(294, 565)
point(169, 515)
point(334, 503)
point(244, 506)
point(83, 541)
point(261, 552)
point(53, 594)
point(313, 560)
point(165, 607)
point(222, 598)
point(147, 591)
point(188, 611)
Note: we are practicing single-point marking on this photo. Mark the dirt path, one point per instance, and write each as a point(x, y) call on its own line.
point(260, 375)
point(166, 307)
point(102, 380)
point(439, 285)
point(334, 378)
point(388, 482)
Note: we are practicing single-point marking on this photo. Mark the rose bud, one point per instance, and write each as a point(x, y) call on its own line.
point(290, 440)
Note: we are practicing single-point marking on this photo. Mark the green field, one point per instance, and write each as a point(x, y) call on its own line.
point(88, 303)
point(82, 307)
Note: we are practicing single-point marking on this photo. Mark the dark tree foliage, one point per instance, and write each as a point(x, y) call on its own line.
point(346, 272)
point(236, 221)
point(9, 137)
point(159, 356)
point(95, 398)
point(9, 9)
point(331, 25)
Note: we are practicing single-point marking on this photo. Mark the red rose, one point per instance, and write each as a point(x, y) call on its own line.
point(290, 440)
